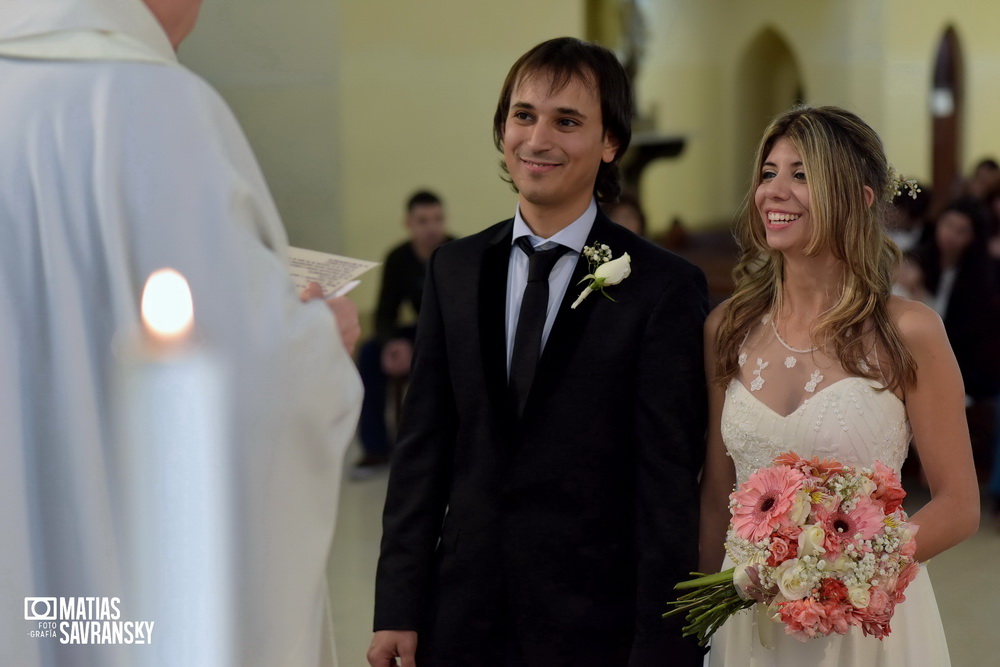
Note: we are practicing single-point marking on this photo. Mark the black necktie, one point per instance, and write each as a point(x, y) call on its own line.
point(531, 320)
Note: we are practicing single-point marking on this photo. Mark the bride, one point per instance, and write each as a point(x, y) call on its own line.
point(812, 354)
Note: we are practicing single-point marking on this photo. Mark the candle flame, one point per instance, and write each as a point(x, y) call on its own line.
point(167, 309)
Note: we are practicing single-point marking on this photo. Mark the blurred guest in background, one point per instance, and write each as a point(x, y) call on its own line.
point(993, 246)
point(628, 213)
point(985, 178)
point(957, 272)
point(994, 486)
point(387, 356)
point(909, 282)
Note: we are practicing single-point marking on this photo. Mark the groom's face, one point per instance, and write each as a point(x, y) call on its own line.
point(554, 141)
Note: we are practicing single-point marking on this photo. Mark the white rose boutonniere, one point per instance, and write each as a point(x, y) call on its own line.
point(604, 271)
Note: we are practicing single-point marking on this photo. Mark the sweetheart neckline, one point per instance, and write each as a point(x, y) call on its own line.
point(805, 402)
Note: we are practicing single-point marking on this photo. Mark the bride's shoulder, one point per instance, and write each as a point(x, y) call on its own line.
point(714, 320)
point(718, 313)
point(916, 322)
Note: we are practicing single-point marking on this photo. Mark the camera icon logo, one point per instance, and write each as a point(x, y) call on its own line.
point(40, 609)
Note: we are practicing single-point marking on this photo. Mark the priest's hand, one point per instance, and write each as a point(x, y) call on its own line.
point(347, 320)
point(344, 311)
point(387, 645)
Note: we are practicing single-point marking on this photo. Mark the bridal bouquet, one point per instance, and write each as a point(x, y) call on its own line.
point(822, 545)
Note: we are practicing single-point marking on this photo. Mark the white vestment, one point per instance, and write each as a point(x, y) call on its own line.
point(116, 161)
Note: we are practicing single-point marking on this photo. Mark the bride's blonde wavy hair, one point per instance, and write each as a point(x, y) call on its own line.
point(841, 155)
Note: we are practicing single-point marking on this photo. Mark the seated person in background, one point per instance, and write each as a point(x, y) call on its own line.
point(388, 354)
point(907, 219)
point(985, 177)
point(627, 213)
point(993, 247)
point(957, 273)
point(909, 282)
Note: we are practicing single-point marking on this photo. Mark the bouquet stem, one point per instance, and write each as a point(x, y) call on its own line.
point(711, 599)
point(703, 580)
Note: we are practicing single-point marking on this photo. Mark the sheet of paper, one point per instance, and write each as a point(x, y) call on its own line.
point(332, 272)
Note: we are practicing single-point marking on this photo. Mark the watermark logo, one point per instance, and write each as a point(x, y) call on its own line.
point(40, 609)
point(84, 620)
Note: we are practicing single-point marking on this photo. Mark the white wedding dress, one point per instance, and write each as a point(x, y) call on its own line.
point(789, 399)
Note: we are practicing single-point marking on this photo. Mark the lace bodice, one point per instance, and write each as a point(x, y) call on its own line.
point(818, 410)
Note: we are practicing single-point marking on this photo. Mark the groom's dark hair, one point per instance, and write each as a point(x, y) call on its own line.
point(565, 59)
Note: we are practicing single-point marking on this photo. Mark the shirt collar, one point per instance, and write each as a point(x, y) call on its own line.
point(572, 236)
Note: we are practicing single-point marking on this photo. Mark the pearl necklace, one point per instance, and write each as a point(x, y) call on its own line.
point(781, 340)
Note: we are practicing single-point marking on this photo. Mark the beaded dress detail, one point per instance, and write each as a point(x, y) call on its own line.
point(787, 398)
point(792, 399)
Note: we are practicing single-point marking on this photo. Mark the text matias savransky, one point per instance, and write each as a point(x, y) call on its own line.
point(85, 620)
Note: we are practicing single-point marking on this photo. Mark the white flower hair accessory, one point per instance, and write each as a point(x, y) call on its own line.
point(897, 183)
point(604, 271)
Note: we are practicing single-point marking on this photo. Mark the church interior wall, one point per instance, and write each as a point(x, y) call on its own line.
point(913, 33)
point(398, 95)
point(728, 85)
point(278, 66)
point(352, 105)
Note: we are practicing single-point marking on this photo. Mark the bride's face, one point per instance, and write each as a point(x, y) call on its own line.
point(782, 199)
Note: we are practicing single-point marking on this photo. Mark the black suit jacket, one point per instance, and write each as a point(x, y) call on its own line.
point(554, 539)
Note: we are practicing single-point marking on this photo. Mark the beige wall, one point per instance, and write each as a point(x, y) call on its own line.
point(875, 58)
point(420, 84)
point(276, 65)
point(351, 105)
point(914, 34)
point(700, 81)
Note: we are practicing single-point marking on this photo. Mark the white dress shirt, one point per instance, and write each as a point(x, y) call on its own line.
point(573, 236)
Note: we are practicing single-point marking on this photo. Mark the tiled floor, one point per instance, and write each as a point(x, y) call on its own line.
point(966, 581)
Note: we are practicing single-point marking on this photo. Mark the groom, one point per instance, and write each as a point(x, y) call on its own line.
point(543, 494)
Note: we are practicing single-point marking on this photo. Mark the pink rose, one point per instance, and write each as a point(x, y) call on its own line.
point(782, 548)
point(880, 602)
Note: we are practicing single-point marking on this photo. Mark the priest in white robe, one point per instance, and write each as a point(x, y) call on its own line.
point(116, 161)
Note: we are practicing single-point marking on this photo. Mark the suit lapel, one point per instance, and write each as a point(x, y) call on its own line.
point(492, 318)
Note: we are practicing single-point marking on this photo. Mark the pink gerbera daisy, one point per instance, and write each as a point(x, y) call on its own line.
point(866, 519)
point(763, 501)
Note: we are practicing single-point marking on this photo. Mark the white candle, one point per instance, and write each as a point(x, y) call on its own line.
point(178, 505)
